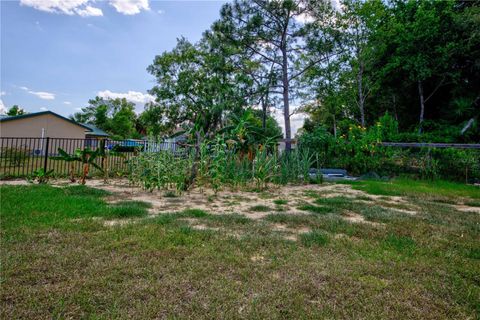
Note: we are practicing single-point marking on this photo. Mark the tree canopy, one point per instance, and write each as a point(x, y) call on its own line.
point(418, 60)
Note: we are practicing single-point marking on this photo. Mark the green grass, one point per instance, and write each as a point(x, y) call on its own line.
point(260, 208)
point(402, 244)
point(314, 238)
point(315, 209)
point(194, 213)
point(280, 202)
point(58, 262)
point(473, 203)
point(408, 187)
point(128, 209)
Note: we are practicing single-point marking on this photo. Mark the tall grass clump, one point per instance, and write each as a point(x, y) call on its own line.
point(162, 170)
point(219, 164)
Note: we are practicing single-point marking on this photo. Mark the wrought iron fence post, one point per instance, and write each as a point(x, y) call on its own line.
point(45, 163)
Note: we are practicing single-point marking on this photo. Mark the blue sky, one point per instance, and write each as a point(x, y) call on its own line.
point(58, 54)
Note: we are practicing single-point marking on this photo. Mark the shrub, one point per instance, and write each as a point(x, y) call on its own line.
point(160, 170)
point(357, 150)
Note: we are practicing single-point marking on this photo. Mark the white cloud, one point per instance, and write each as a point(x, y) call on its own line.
point(132, 96)
point(69, 7)
point(161, 11)
point(67, 103)
point(2, 93)
point(43, 95)
point(43, 109)
point(130, 7)
point(3, 109)
point(304, 18)
point(89, 12)
point(40, 94)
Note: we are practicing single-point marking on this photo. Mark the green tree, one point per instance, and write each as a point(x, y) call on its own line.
point(272, 34)
point(419, 42)
point(122, 123)
point(195, 88)
point(15, 110)
point(115, 116)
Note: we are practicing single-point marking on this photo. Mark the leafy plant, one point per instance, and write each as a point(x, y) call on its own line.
point(85, 156)
point(41, 176)
point(160, 170)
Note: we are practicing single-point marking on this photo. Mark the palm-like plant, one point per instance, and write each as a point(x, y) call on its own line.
point(85, 156)
point(247, 134)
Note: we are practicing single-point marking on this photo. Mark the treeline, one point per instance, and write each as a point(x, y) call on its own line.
point(344, 65)
point(417, 60)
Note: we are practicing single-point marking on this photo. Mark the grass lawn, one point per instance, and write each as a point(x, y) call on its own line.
point(355, 256)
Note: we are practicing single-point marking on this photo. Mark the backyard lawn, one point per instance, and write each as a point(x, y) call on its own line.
point(366, 249)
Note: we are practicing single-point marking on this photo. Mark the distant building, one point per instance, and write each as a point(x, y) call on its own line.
point(41, 125)
point(95, 132)
point(30, 128)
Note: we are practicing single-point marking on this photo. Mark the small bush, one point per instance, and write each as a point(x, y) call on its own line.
point(280, 201)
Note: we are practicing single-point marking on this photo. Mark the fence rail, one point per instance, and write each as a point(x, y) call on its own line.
point(430, 145)
point(20, 157)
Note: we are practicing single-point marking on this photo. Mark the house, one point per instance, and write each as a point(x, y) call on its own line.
point(41, 125)
point(29, 129)
point(95, 132)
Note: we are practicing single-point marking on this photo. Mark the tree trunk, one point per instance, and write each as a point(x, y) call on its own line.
point(286, 103)
point(361, 98)
point(264, 114)
point(85, 172)
point(422, 106)
point(334, 126)
point(72, 171)
point(193, 173)
point(394, 100)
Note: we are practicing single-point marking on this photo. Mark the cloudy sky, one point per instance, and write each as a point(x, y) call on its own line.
point(58, 54)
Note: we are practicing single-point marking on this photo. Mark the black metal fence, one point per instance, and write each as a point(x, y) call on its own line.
point(20, 157)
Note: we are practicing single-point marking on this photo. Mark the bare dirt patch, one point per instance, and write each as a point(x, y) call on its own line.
point(197, 225)
point(22, 182)
point(465, 208)
point(237, 201)
point(357, 218)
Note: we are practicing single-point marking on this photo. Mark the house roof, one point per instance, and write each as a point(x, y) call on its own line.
point(95, 131)
point(35, 114)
